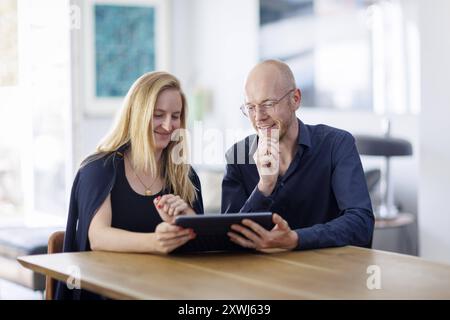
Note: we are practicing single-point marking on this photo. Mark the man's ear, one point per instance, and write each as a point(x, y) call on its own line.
point(297, 98)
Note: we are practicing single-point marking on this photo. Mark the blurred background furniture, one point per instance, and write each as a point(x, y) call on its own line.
point(395, 225)
point(396, 234)
point(22, 241)
point(387, 147)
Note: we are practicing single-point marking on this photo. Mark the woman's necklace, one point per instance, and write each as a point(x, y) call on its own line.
point(148, 190)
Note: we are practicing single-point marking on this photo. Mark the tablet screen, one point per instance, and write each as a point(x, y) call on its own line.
point(212, 223)
point(211, 230)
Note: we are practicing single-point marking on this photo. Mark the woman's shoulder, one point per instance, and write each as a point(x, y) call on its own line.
point(193, 176)
point(98, 167)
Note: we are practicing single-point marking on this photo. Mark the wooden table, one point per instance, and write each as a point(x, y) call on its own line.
point(335, 273)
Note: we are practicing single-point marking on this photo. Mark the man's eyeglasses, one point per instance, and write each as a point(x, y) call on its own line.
point(267, 106)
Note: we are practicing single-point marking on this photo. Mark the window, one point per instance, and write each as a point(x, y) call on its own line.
point(35, 115)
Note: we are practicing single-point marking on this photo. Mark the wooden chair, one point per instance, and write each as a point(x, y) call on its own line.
point(55, 245)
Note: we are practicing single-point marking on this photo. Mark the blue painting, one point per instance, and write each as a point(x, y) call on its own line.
point(124, 47)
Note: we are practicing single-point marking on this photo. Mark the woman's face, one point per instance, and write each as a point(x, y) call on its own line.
point(166, 117)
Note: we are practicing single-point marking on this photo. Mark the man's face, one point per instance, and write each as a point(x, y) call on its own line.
point(262, 94)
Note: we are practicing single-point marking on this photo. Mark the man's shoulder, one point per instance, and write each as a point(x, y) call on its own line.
point(322, 133)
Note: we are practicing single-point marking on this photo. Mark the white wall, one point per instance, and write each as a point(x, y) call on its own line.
point(434, 210)
point(225, 47)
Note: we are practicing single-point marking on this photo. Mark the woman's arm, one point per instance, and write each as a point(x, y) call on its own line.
point(103, 237)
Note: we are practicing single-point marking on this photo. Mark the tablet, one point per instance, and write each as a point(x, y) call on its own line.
point(211, 230)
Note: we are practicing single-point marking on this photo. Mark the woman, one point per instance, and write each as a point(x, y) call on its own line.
point(125, 196)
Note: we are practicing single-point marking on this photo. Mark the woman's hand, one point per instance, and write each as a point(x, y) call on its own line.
point(169, 237)
point(169, 206)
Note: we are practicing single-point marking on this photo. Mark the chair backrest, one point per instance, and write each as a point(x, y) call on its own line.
point(55, 245)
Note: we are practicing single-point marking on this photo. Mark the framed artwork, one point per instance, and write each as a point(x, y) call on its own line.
point(124, 39)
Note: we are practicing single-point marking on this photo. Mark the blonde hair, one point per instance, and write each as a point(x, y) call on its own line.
point(135, 126)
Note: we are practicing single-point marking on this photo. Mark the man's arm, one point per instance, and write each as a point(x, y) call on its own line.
point(356, 223)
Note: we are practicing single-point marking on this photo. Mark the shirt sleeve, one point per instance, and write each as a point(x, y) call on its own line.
point(355, 224)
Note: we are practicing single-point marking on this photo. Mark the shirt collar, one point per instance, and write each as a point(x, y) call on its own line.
point(304, 137)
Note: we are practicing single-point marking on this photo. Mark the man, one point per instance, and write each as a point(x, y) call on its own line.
point(311, 177)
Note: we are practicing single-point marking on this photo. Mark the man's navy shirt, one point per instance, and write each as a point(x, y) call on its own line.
point(323, 195)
